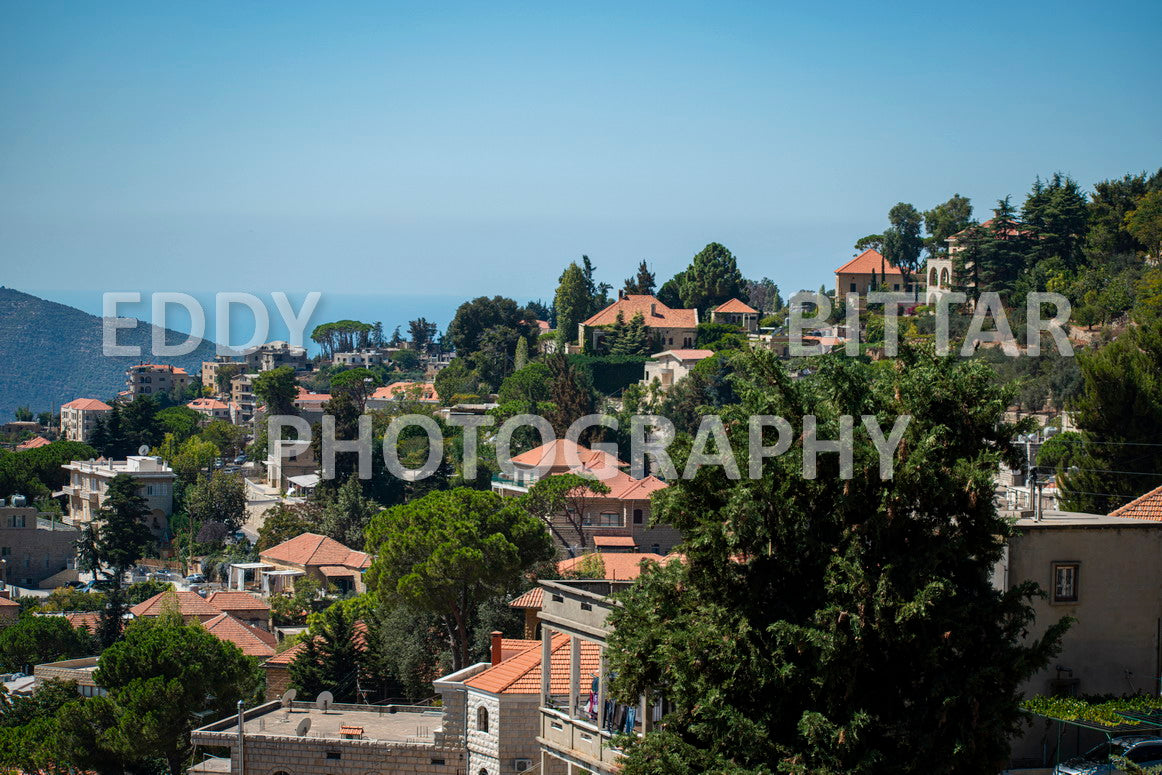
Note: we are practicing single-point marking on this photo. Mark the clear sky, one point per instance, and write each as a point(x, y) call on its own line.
point(376, 147)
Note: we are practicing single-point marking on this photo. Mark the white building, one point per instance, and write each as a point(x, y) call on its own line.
point(89, 482)
point(79, 418)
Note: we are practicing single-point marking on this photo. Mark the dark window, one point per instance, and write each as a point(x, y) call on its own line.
point(334, 755)
point(853, 288)
point(1065, 577)
point(482, 718)
point(638, 515)
point(586, 606)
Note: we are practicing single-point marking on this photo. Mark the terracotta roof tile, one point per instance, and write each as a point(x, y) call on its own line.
point(620, 541)
point(88, 404)
point(868, 262)
point(685, 355)
point(656, 314)
point(521, 674)
point(736, 306)
point(556, 455)
point(286, 657)
point(253, 641)
point(33, 443)
point(426, 390)
point(6, 603)
point(230, 600)
point(189, 604)
point(1148, 506)
point(620, 566)
point(531, 599)
point(314, 549)
point(622, 486)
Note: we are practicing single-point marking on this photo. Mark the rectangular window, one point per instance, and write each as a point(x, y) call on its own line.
point(853, 288)
point(605, 519)
point(895, 286)
point(17, 520)
point(1065, 576)
point(5, 551)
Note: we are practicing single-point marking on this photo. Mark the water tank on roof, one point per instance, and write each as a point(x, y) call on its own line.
point(19, 500)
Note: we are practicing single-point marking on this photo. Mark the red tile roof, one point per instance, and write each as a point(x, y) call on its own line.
point(619, 541)
point(685, 355)
point(311, 549)
point(231, 600)
point(868, 262)
point(189, 604)
point(656, 314)
point(620, 566)
point(531, 599)
point(736, 306)
point(6, 603)
point(212, 404)
point(556, 455)
point(88, 404)
point(521, 674)
point(90, 620)
point(286, 657)
point(33, 443)
point(1014, 230)
point(426, 391)
point(1148, 506)
point(253, 641)
point(622, 486)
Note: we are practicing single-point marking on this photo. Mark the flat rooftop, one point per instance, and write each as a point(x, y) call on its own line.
point(390, 723)
point(1057, 519)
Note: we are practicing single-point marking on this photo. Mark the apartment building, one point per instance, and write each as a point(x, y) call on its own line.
point(151, 379)
point(89, 481)
point(35, 548)
point(79, 417)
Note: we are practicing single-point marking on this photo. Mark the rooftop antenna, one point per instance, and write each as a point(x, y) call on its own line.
point(303, 727)
point(324, 701)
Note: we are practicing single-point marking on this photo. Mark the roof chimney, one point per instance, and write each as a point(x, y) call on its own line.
point(497, 648)
point(653, 309)
point(621, 294)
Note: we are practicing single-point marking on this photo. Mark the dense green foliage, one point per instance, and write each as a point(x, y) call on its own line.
point(830, 625)
point(37, 472)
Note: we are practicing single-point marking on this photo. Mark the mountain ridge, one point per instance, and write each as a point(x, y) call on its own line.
point(50, 353)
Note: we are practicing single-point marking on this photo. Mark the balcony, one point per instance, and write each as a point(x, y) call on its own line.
point(517, 483)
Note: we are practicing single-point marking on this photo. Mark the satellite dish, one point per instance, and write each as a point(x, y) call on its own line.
point(288, 697)
point(303, 727)
point(324, 700)
point(143, 449)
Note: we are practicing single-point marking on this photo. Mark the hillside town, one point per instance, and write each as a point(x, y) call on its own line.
point(166, 567)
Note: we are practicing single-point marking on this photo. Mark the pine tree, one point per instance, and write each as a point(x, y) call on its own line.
point(572, 302)
point(331, 657)
point(643, 283)
point(521, 359)
point(827, 625)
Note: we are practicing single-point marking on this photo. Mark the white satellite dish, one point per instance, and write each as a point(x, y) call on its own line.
point(324, 701)
point(288, 697)
point(143, 449)
point(303, 727)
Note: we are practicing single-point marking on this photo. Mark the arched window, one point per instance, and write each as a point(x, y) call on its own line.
point(482, 722)
point(944, 278)
point(483, 771)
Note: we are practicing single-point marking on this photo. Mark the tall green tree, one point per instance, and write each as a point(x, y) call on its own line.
point(474, 318)
point(1109, 204)
point(1119, 414)
point(121, 539)
point(34, 640)
point(1057, 213)
point(449, 552)
point(331, 656)
point(828, 625)
point(712, 278)
point(902, 239)
point(642, 283)
point(220, 499)
point(346, 517)
point(944, 220)
point(1144, 223)
point(163, 673)
point(670, 293)
point(572, 301)
point(422, 333)
point(276, 388)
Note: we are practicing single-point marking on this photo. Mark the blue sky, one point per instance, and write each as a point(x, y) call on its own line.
point(477, 148)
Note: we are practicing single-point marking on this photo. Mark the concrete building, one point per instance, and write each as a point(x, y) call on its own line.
point(89, 481)
point(211, 408)
point(36, 550)
point(870, 271)
point(79, 418)
point(624, 512)
point(79, 670)
point(668, 367)
point(242, 396)
point(736, 313)
point(1104, 572)
point(302, 739)
point(670, 327)
point(150, 379)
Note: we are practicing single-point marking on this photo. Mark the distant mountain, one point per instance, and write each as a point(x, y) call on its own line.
point(51, 353)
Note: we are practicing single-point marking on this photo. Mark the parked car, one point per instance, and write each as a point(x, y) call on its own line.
point(1103, 759)
point(196, 578)
point(74, 584)
point(240, 459)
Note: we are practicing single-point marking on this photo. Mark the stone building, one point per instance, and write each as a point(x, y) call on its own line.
point(35, 548)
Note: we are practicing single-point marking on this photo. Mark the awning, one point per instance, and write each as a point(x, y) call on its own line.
point(306, 481)
point(250, 565)
point(620, 541)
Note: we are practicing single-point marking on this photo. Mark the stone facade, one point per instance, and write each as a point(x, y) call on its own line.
point(34, 548)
